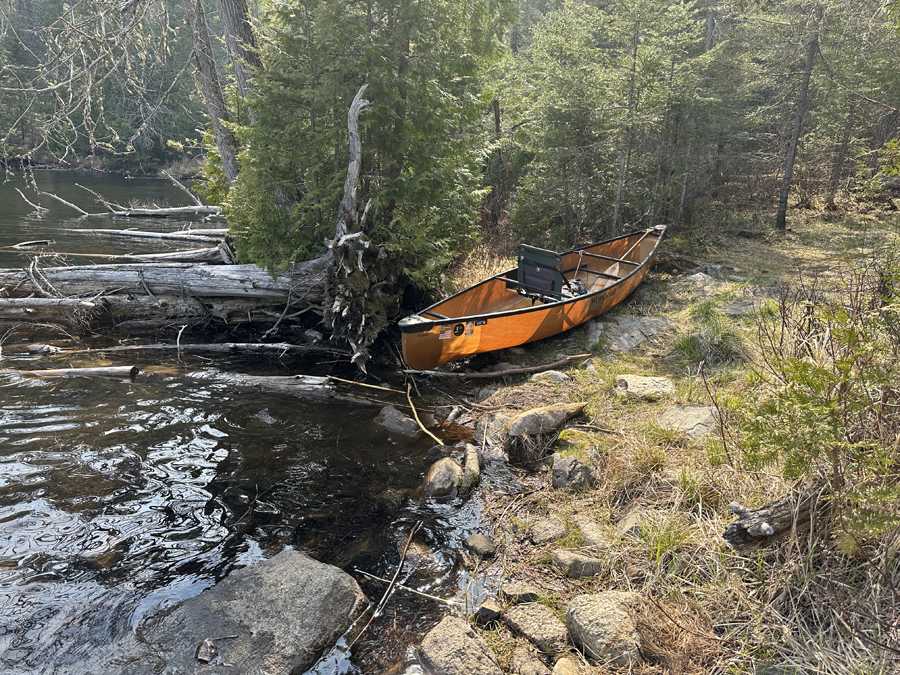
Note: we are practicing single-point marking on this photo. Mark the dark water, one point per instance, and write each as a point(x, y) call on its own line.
point(118, 499)
point(19, 221)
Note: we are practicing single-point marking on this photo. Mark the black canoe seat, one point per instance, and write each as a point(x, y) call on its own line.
point(540, 275)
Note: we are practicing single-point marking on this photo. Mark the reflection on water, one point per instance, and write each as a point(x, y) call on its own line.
point(118, 499)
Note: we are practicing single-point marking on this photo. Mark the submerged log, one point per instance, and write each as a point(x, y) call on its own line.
point(108, 372)
point(757, 528)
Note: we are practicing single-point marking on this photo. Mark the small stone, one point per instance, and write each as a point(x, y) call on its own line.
point(568, 473)
point(503, 366)
point(575, 565)
point(630, 524)
point(593, 534)
point(480, 545)
point(547, 530)
point(523, 663)
point(391, 500)
point(474, 464)
point(488, 612)
point(519, 591)
point(438, 452)
point(566, 666)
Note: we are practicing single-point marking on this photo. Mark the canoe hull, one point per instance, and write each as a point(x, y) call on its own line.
point(491, 315)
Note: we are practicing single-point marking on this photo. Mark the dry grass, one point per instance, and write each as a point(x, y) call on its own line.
point(800, 606)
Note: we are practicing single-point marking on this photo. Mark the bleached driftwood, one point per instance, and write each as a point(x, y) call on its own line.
point(757, 528)
point(183, 235)
point(107, 372)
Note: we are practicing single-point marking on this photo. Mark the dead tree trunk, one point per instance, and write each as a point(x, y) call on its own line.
point(354, 309)
point(757, 528)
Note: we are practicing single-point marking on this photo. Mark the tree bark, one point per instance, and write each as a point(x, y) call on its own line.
point(629, 135)
point(241, 41)
point(212, 89)
point(811, 49)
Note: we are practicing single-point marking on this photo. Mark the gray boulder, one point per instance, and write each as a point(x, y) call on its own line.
point(472, 471)
point(603, 626)
point(443, 478)
point(593, 533)
point(396, 423)
point(454, 648)
point(285, 612)
point(622, 333)
point(539, 624)
point(519, 591)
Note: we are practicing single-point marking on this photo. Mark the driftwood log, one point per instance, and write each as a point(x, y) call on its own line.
point(181, 235)
point(758, 528)
point(107, 372)
point(159, 295)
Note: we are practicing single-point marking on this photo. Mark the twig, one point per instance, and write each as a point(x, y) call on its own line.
point(60, 199)
point(362, 384)
point(40, 209)
point(99, 198)
point(416, 415)
point(390, 587)
point(503, 373)
point(182, 187)
point(411, 590)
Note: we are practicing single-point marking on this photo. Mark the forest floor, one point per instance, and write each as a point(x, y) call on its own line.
point(802, 605)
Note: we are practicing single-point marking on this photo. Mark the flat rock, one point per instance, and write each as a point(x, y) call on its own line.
point(647, 388)
point(396, 423)
point(454, 648)
point(603, 626)
point(576, 565)
point(285, 612)
point(694, 420)
point(542, 420)
point(569, 473)
point(481, 545)
point(621, 333)
point(737, 310)
point(523, 662)
point(443, 478)
point(539, 624)
point(519, 591)
point(547, 530)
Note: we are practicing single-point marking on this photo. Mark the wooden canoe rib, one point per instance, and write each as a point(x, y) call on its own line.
point(505, 311)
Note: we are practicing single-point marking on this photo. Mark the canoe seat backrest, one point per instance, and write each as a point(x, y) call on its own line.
point(540, 272)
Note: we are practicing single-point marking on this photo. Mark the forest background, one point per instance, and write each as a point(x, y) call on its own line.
point(553, 122)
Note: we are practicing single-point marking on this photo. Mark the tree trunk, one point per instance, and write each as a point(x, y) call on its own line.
point(629, 135)
point(241, 41)
point(812, 48)
point(212, 89)
point(841, 157)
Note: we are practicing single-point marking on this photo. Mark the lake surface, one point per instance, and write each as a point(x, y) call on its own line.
point(118, 499)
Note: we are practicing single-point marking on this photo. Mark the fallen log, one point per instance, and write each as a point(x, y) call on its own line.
point(108, 372)
point(170, 294)
point(211, 256)
point(280, 348)
point(758, 528)
point(183, 235)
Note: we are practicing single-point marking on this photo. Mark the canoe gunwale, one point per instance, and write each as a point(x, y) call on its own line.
point(416, 323)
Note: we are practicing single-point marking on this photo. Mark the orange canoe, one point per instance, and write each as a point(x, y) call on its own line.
point(546, 294)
